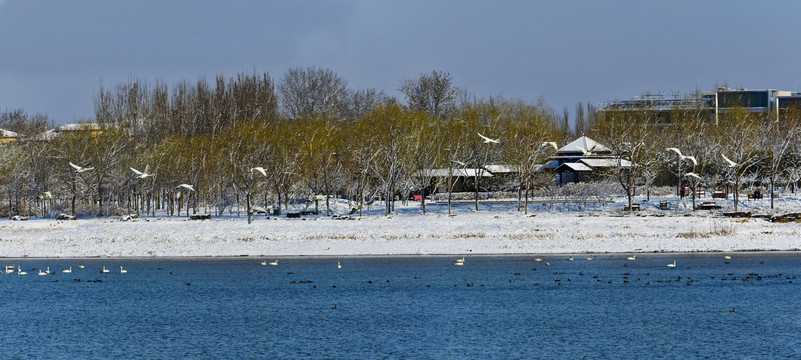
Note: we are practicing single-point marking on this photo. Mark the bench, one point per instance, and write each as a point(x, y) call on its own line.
point(700, 193)
point(634, 207)
point(719, 194)
point(709, 205)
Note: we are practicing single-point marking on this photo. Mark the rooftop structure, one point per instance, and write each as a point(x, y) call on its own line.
point(711, 103)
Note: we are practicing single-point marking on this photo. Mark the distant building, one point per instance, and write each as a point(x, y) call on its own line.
point(711, 104)
point(91, 128)
point(7, 136)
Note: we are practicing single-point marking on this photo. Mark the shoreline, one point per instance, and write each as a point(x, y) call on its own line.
point(496, 230)
point(366, 256)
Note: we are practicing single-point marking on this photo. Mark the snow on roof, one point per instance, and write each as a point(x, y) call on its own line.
point(456, 172)
point(81, 126)
point(45, 136)
point(603, 163)
point(501, 169)
point(578, 167)
point(585, 143)
point(8, 134)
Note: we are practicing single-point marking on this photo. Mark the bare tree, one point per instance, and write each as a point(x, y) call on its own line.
point(311, 91)
point(432, 93)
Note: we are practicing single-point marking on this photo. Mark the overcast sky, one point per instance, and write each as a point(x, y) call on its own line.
point(55, 54)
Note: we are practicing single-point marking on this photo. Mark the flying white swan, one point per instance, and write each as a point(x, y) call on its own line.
point(549, 143)
point(81, 169)
point(186, 186)
point(682, 157)
point(489, 140)
point(142, 174)
point(585, 152)
point(728, 161)
point(259, 169)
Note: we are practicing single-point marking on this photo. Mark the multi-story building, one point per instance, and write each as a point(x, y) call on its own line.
point(712, 104)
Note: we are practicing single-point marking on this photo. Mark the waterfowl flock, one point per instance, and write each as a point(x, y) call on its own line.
point(15, 268)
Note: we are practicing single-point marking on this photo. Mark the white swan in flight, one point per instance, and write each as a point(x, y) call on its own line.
point(186, 186)
point(259, 169)
point(489, 140)
point(728, 161)
point(81, 169)
point(142, 174)
point(682, 157)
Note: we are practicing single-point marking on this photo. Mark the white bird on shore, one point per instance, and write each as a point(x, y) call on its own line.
point(549, 143)
point(682, 157)
point(673, 265)
point(729, 162)
point(104, 271)
point(20, 272)
point(68, 271)
point(489, 140)
point(259, 169)
point(186, 186)
point(81, 169)
point(123, 271)
point(274, 263)
point(142, 174)
point(632, 258)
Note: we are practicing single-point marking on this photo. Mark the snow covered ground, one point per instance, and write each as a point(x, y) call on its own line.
point(497, 229)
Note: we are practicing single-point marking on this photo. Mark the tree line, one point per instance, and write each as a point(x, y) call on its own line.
point(250, 142)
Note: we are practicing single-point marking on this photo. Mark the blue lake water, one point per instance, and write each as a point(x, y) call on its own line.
point(407, 307)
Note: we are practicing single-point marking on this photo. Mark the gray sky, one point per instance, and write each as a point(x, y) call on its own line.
point(55, 54)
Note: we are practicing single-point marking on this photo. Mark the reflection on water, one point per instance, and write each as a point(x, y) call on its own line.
point(492, 306)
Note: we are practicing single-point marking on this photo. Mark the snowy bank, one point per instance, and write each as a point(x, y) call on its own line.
point(499, 229)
